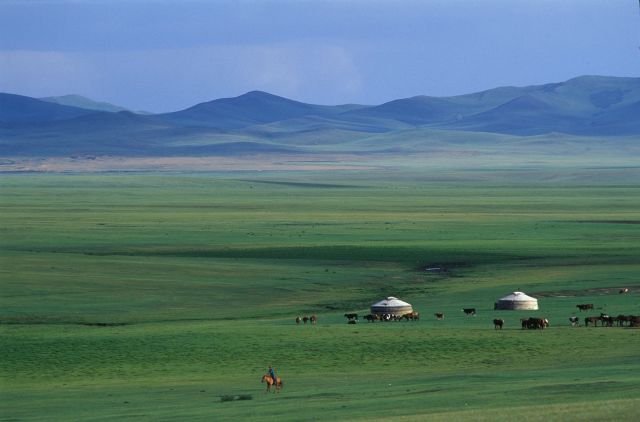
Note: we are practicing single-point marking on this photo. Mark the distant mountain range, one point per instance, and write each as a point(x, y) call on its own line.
point(587, 106)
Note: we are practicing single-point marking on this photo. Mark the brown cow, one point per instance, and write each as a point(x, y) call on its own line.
point(411, 316)
point(313, 319)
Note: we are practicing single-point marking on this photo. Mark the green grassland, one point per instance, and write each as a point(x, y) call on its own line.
point(151, 296)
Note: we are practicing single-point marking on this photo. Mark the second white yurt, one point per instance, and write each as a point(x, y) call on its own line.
point(391, 306)
point(517, 301)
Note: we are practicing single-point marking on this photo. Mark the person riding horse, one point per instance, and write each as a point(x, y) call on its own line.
point(272, 374)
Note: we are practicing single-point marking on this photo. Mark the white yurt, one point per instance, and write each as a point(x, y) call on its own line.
point(517, 301)
point(392, 306)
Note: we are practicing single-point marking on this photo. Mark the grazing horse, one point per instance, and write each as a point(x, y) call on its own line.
point(621, 319)
point(298, 320)
point(498, 323)
point(469, 311)
point(313, 319)
point(585, 307)
point(411, 316)
point(606, 320)
point(278, 383)
point(623, 290)
point(439, 315)
point(591, 319)
point(575, 321)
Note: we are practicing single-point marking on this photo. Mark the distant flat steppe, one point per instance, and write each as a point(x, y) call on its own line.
point(155, 296)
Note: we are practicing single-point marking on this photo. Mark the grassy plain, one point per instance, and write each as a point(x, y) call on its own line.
point(150, 296)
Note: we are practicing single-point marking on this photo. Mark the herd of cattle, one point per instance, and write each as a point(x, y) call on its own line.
point(410, 316)
point(532, 323)
point(304, 319)
point(604, 319)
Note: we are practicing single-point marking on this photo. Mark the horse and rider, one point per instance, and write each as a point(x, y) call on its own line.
point(272, 380)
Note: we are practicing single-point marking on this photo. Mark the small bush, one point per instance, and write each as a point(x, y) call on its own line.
point(228, 397)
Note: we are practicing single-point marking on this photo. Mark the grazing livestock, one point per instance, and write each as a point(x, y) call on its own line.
point(575, 321)
point(498, 323)
point(298, 320)
point(591, 320)
point(371, 317)
point(305, 319)
point(623, 290)
point(411, 316)
point(634, 321)
point(606, 320)
point(621, 319)
point(585, 307)
point(469, 311)
point(439, 315)
point(351, 316)
point(534, 323)
point(313, 319)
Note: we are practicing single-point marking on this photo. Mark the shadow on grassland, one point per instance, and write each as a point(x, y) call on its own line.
point(415, 256)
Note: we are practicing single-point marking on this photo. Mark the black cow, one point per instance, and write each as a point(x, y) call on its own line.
point(575, 321)
point(371, 317)
point(469, 311)
point(498, 323)
point(585, 307)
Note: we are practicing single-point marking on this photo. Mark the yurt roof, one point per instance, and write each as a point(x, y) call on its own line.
point(518, 297)
point(392, 302)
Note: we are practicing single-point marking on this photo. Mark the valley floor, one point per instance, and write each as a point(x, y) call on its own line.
point(164, 296)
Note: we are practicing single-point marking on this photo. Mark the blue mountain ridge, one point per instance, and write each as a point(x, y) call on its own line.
point(262, 122)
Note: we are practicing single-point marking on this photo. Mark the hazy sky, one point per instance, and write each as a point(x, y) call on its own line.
point(168, 55)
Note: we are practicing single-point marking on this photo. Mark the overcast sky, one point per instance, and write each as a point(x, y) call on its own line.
point(168, 55)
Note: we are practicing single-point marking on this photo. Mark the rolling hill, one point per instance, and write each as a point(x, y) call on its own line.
point(587, 107)
point(20, 110)
point(84, 102)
